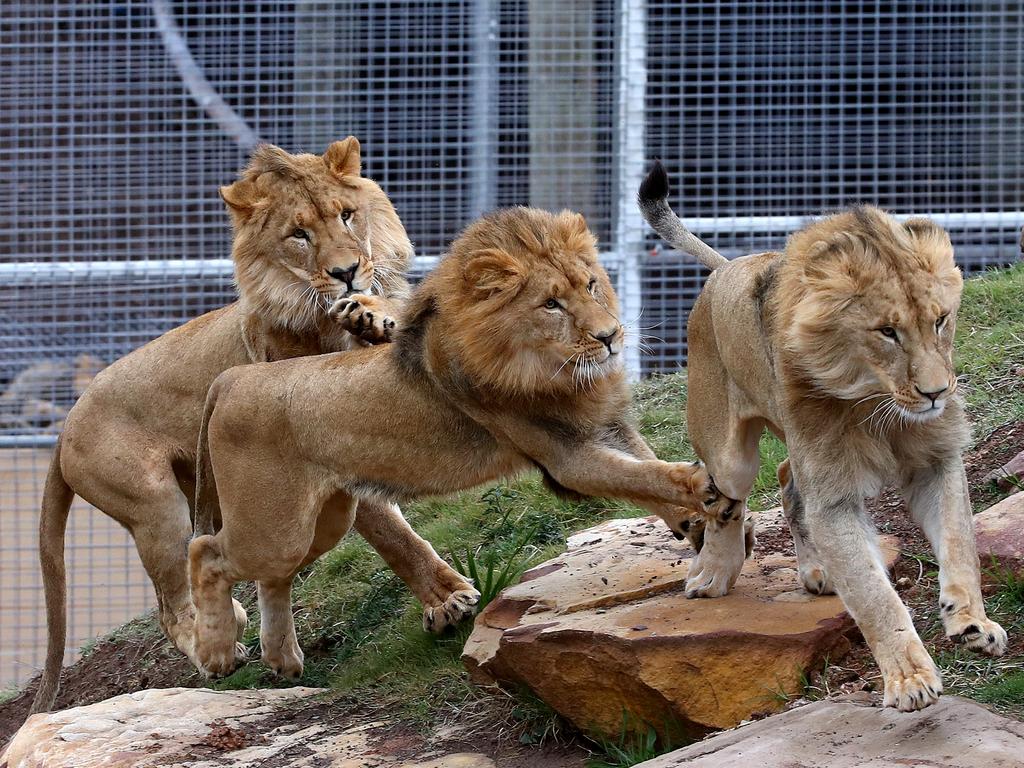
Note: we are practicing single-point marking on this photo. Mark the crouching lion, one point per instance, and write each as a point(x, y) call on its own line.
point(320, 257)
point(507, 358)
point(843, 347)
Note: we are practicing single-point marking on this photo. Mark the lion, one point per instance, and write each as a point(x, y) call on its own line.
point(320, 256)
point(508, 357)
point(843, 347)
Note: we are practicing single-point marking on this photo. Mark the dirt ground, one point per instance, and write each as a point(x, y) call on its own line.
point(142, 659)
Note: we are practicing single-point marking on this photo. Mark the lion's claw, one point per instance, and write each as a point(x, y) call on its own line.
point(364, 317)
point(459, 605)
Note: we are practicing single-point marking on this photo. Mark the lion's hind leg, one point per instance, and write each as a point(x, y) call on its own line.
point(813, 576)
point(731, 457)
point(215, 650)
point(279, 645)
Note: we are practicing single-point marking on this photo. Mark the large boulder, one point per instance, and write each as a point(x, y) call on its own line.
point(605, 635)
point(955, 733)
point(1000, 534)
point(211, 729)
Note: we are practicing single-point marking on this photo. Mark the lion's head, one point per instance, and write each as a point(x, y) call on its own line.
point(526, 306)
point(868, 311)
point(309, 229)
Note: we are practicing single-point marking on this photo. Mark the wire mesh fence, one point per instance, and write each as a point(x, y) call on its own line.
point(120, 120)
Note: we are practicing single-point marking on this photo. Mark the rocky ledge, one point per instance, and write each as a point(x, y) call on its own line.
point(605, 635)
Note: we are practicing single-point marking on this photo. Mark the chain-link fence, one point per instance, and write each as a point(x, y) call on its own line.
point(120, 120)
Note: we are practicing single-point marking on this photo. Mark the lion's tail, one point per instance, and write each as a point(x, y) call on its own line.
point(53, 523)
point(653, 199)
point(207, 502)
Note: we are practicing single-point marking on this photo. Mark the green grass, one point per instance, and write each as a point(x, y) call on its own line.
point(637, 743)
point(1006, 693)
point(360, 628)
point(990, 348)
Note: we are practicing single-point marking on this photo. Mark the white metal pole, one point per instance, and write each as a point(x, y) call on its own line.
point(631, 92)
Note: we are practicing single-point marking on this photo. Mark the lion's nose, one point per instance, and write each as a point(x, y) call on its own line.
point(344, 275)
point(933, 395)
point(607, 337)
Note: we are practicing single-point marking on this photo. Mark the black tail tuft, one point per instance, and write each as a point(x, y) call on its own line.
point(655, 186)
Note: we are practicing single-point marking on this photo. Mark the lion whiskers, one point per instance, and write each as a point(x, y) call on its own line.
point(569, 358)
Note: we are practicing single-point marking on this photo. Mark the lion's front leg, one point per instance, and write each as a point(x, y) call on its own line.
point(842, 532)
point(447, 597)
point(369, 318)
point(938, 501)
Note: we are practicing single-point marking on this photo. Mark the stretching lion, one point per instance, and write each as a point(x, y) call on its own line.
point(842, 346)
point(508, 358)
point(319, 256)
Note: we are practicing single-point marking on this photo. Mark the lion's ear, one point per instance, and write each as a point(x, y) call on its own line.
point(241, 197)
point(342, 157)
point(493, 271)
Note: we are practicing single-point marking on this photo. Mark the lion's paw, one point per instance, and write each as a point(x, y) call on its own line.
point(365, 317)
point(458, 606)
point(286, 662)
point(981, 635)
point(917, 689)
point(713, 576)
point(815, 579)
point(220, 662)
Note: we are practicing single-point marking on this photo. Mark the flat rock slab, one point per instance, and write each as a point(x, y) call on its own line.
point(955, 733)
point(201, 728)
point(604, 634)
point(999, 531)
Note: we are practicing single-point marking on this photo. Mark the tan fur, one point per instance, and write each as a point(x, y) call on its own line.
point(129, 443)
point(485, 380)
point(796, 342)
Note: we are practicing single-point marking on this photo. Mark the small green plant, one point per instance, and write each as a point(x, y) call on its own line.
point(490, 571)
point(635, 745)
point(1011, 585)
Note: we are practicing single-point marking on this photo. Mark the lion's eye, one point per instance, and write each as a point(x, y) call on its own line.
point(552, 304)
point(940, 323)
point(346, 215)
point(592, 285)
point(889, 332)
point(300, 234)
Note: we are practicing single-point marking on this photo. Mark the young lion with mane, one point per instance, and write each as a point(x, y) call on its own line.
point(320, 257)
point(508, 358)
point(842, 346)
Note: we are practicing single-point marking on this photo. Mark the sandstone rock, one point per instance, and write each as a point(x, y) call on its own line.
point(955, 733)
point(605, 629)
point(207, 729)
point(999, 531)
point(1010, 475)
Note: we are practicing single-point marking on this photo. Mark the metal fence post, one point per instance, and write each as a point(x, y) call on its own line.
point(631, 92)
point(484, 84)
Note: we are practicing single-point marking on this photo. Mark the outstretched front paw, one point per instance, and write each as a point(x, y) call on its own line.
point(459, 605)
point(364, 317)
